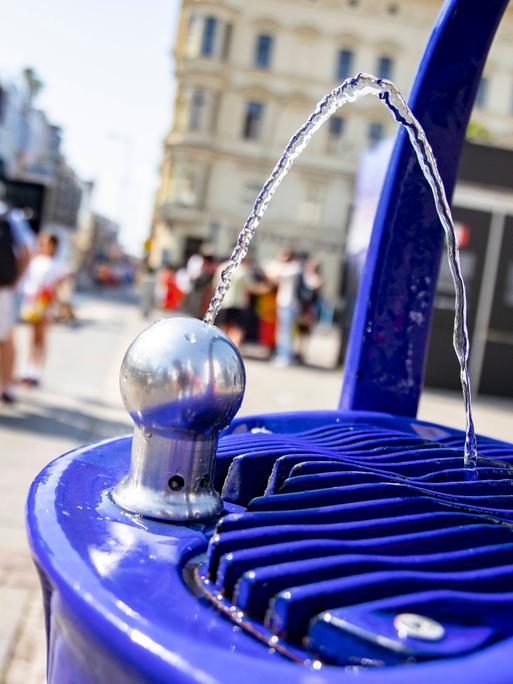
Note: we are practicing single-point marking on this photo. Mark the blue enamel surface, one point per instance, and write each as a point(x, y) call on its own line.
point(116, 581)
point(390, 329)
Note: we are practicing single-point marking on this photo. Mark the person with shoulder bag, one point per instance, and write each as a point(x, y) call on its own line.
point(15, 243)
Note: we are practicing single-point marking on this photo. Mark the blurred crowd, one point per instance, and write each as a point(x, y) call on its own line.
point(274, 305)
point(35, 287)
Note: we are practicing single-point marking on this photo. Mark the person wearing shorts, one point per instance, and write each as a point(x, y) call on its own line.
point(6, 343)
point(15, 237)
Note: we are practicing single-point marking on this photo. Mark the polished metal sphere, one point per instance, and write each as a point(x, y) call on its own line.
point(182, 381)
point(182, 374)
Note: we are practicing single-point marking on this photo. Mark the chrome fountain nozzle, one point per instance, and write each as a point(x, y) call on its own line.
point(182, 381)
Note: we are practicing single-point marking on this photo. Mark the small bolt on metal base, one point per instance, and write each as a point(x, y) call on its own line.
point(182, 381)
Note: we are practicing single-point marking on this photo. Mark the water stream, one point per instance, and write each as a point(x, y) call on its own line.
point(350, 90)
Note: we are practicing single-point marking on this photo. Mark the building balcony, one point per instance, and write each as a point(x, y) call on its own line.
point(216, 71)
point(203, 139)
point(179, 212)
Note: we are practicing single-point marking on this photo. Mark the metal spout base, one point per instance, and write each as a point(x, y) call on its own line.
point(182, 382)
point(175, 507)
point(171, 477)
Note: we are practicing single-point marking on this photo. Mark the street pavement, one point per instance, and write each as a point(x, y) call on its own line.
point(79, 402)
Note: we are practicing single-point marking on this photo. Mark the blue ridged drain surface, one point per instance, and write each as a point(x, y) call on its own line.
point(346, 527)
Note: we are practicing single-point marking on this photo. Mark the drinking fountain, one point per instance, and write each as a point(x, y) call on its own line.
point(308, 547)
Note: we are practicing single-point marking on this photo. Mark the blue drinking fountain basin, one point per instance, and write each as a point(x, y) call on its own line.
point(307, 547)
point(348, 541)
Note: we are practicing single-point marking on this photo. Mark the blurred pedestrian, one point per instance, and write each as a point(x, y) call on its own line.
point(44, 274)
point(147, 290)
point(172, 295)
point(233, 316)
point(285, 272)
point(15, 245)
point(183, 284)
point(308, 293)
point(200, 270)
point(64, 298)
point(266, 312)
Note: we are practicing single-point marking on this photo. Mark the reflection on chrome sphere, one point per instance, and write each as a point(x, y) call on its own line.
point(181, 373)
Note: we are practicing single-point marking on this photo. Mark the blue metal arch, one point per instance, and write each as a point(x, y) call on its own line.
point(387, 347)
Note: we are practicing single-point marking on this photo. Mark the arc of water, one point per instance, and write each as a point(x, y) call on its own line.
point(350, 90)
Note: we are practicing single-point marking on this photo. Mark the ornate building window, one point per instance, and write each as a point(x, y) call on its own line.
point(227, 41)
point(213, 109)
point(253, 119)
point(376, 133)
point(250, 191)
point(186, 189)
point(263, 51)
point(197, 109)
point(385, 67)
point(311, 205)
point(209, 37)
point(344, 64)
point(336, 126)
point(194, 31)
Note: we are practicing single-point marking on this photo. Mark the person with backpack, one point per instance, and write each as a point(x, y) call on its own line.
point(15, 245)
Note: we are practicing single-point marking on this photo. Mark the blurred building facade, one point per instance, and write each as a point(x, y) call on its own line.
point(32, 163)
point(105, 239)
point(248, 74)
point(30, 145)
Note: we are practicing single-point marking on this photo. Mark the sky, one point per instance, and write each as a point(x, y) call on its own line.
point(108, 81)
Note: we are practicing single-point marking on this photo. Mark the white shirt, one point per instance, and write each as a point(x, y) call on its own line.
point(286, 274)
point(43, 271)
point(237, 295)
